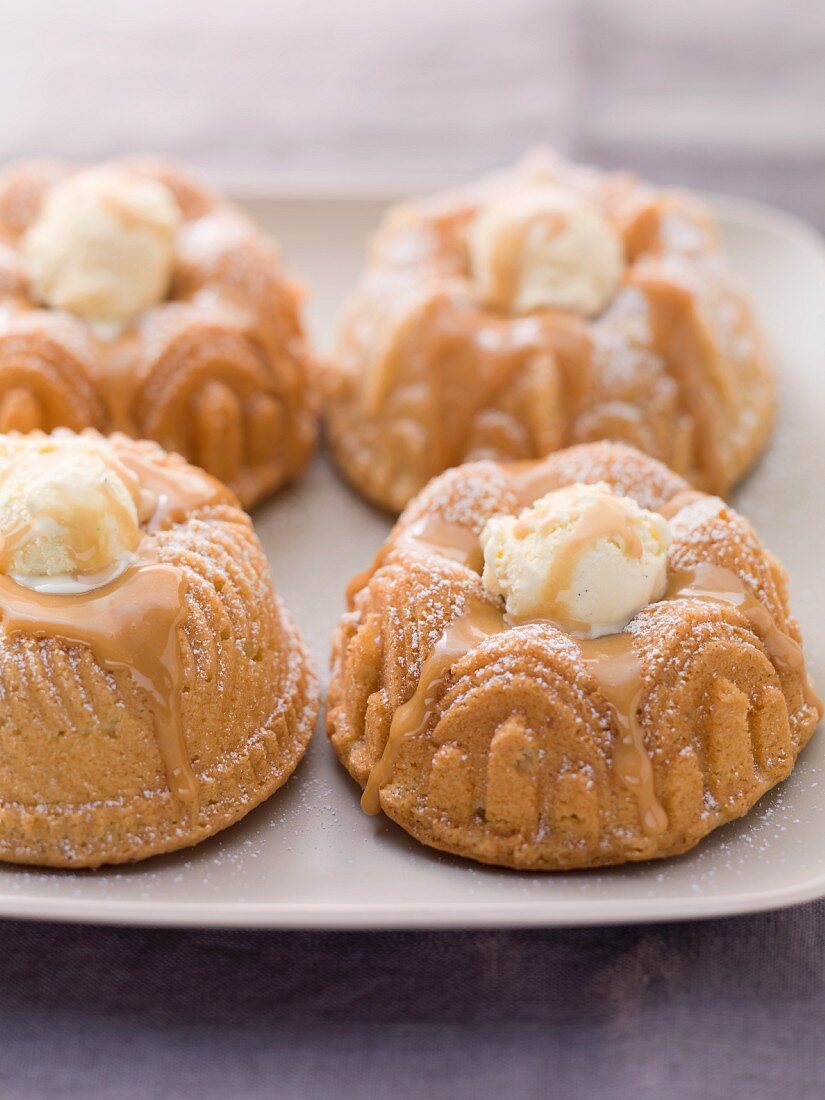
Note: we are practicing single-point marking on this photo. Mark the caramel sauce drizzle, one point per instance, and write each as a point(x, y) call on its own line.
point(132, 622)
point(480, 622)
point(507, 260)
point(452, 340)
point(616, 669)
point(716, 584)
point(681, 500)
point(129, 624)
point(429, 535)
point(679, 337)
point(171, 493)
point(530, 481)
point(618, 674)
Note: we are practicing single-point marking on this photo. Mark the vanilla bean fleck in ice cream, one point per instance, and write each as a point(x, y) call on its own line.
point(582, 557)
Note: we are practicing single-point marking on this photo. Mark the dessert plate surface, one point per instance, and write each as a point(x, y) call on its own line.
point(310, 858)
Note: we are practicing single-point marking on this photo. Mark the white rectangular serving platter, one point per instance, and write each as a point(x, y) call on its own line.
point(309, 858)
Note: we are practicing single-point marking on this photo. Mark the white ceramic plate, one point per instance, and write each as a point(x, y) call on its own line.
point(310, 858)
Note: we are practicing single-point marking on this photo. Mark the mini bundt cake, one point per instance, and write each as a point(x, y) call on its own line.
point(567, 663)
point(133, 299)
point(153, 689)
point(546, 306)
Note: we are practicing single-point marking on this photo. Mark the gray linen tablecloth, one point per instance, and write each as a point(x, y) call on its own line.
point(723, 95)
point(723, 1009)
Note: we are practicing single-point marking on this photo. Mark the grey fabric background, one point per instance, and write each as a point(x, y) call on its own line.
point(725, 94)
point(725, 1009)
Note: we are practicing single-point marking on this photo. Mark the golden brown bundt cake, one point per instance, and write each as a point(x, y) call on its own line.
point(133, 299)
point(546, 306)
point(153, 688)
point(624, 677)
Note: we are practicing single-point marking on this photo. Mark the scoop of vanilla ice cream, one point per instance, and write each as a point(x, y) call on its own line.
point(103, 245)
point(68, 509)
point(582, 557)
point(541, 246)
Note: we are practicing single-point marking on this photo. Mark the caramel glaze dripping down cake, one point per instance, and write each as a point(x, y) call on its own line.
point(514, 742)
point(150, 703)
point(210, 360)
point(546, 306)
